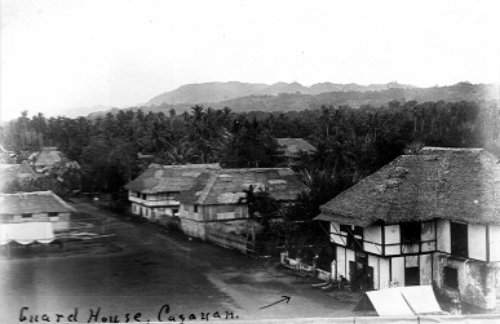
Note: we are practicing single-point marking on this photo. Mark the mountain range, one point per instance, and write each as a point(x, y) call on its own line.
point(241, 97)
point(221, 91)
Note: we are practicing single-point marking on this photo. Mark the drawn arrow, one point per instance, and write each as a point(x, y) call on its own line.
point(285, 298)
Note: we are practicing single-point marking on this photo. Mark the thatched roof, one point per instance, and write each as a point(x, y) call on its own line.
point(292, 146)
point(168, 178)
point(227, 186)
point(12, 172)
point(8, 174)
point(33, 202)
point(49, 156)
point(454, 184)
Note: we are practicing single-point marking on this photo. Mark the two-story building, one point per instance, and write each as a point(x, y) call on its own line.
point(153, 194)
point(221, 196)
point(32, 217)
point(428, 218)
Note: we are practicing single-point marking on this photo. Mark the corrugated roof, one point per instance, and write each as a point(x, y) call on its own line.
point(456, 184)
point(169, 178)
point(227, 186)
point(33, 202)
point(293, 146)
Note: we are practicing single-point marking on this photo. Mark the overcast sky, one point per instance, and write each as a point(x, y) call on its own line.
point(73, 53)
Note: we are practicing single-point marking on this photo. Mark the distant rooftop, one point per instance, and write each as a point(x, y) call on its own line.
point(293, 146)
point(48, 157)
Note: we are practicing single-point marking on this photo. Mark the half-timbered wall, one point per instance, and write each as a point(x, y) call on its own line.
point(386, 239)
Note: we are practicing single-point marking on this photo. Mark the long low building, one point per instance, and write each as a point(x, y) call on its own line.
point(30, 217)
point(429, 218)
point(153, 194)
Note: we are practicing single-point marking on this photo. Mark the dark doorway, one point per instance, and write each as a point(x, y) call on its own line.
point(412, 276)
point(459, 239)
point(361, 274)
point(450, 277)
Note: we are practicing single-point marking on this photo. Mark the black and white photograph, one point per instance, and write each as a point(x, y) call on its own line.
point(250, 161)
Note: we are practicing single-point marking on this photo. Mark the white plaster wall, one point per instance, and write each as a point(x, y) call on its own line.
point(477, 241)
point(393, 249)
point(443, 236)
point(384, 273)
point(373, 262)
point(425, 269)
point(494, 243)
point(398, 270)
point(373, 234)
point(392, 235)
point(337, 239)
point(428, 246)
point(411, 261)
point(341, 268)
point(372, 248)
point(334, 228)
point(428, 232)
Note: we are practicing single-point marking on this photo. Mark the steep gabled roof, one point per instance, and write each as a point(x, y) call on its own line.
point(13, 172)
point(8, 173)
point(25, 170)
point(227, 186)
point(447, 183)
point(168, 178)
point(293, 146)
point(33, 202)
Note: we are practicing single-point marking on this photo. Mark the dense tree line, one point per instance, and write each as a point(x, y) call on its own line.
point(351, 143)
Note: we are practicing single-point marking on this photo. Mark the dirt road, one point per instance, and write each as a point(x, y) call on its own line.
point(151, 269)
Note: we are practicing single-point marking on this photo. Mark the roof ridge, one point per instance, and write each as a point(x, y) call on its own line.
point(40, 192)
point(208, 187)
point(253, 169)
point(185, 166)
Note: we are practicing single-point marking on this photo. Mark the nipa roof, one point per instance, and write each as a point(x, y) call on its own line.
point(455, 184)
point(293, 146)
point(13, 172)
point(228, 186)
point(48, 157)
point(168, 178)
point(32, 202)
